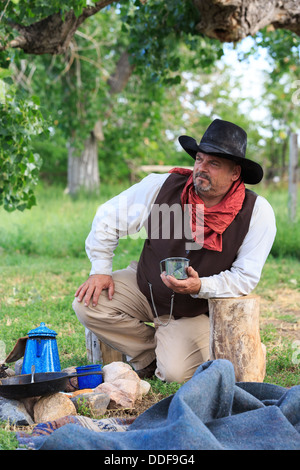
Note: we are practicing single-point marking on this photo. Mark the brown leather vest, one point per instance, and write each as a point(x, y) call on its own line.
point(163, 242)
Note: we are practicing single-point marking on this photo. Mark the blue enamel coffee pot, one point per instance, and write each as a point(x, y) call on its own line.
point(41, 351)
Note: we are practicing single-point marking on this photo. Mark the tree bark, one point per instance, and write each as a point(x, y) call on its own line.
point(233, 20)
point(235, 336)
point(120, 77)
point(52, 35)
point(83, 171)
point(99, 352)
point(225, 20)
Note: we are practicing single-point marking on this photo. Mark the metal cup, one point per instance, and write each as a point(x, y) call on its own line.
point(176, 267)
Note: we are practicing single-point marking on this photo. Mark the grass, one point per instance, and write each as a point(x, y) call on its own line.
point(8, 441)
point(287, 242)
point(43, 261)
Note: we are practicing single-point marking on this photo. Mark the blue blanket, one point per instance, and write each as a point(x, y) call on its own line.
point(209, 412)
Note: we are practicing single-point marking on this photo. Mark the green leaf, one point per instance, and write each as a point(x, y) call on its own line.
point(19, 166)
point(4, 73)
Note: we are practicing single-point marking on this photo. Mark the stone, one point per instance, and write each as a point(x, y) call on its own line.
point(10, 372)
point(132, 388)
point(15, 412)
point(52, 407)
point(73, 382)
point(123, 385)
point(118, 398)
point(29, 404)
point(18, 366)
point(118, 370)
point(145, 387)
point(96, 402)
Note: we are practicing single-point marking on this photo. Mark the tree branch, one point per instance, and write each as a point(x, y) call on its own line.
point(118, 80)
point(225, 20)
point(233, 20)
point(52, 35)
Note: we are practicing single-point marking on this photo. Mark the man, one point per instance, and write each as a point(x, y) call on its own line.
point(231, 232)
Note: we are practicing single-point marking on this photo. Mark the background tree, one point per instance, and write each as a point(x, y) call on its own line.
point(169, 25)
point(20, 121)
point(280, 95)
point(83, 88)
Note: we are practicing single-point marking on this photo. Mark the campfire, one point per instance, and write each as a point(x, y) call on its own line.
point(35, 398)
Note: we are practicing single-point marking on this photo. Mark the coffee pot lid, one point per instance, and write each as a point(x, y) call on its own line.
point(42, 330)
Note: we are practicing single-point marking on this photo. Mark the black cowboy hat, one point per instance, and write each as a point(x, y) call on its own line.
point(227, 140)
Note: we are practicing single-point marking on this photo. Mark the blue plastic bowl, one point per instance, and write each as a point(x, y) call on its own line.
point(89, 381)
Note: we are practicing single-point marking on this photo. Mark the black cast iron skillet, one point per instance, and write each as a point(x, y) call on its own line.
point(20, 386)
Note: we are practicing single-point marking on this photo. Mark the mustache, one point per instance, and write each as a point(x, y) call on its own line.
point(202, 175)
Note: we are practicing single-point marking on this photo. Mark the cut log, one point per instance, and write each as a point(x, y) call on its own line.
point(235, 335)
point(110, 355)
point(99, 352)
point(93, 351)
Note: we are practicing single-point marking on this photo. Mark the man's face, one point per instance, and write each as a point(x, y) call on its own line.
point(213, 176)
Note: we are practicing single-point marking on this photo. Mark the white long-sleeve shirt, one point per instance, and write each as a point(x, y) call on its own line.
point(127, 213)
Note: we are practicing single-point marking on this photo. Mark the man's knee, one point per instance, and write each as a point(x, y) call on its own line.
point(172, 369)
point(91, 316)
point(82, 312)
point(169, 372)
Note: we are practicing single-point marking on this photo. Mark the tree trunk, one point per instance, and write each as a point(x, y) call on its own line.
point(83, 171)
point(283, 154)
point(293, 177)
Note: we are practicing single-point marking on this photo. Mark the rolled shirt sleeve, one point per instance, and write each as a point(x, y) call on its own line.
point(122, 215)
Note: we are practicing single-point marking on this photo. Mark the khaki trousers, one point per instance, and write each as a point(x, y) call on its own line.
point(179, 348)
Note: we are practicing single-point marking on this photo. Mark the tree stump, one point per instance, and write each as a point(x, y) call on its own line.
point(99, 352)
point(234, 335)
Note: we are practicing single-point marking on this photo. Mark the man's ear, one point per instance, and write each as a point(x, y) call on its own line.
point(236, 172)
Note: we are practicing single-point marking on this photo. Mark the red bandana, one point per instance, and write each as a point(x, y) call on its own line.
point(216, 218)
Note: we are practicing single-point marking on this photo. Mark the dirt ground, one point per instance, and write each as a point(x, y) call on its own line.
point(282, 310)
point(139, 407)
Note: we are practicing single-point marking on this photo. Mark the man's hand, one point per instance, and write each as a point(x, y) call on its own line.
point(191, 285)
point(92, 288)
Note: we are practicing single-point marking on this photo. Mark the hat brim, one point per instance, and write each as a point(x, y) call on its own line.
point(252, 172)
